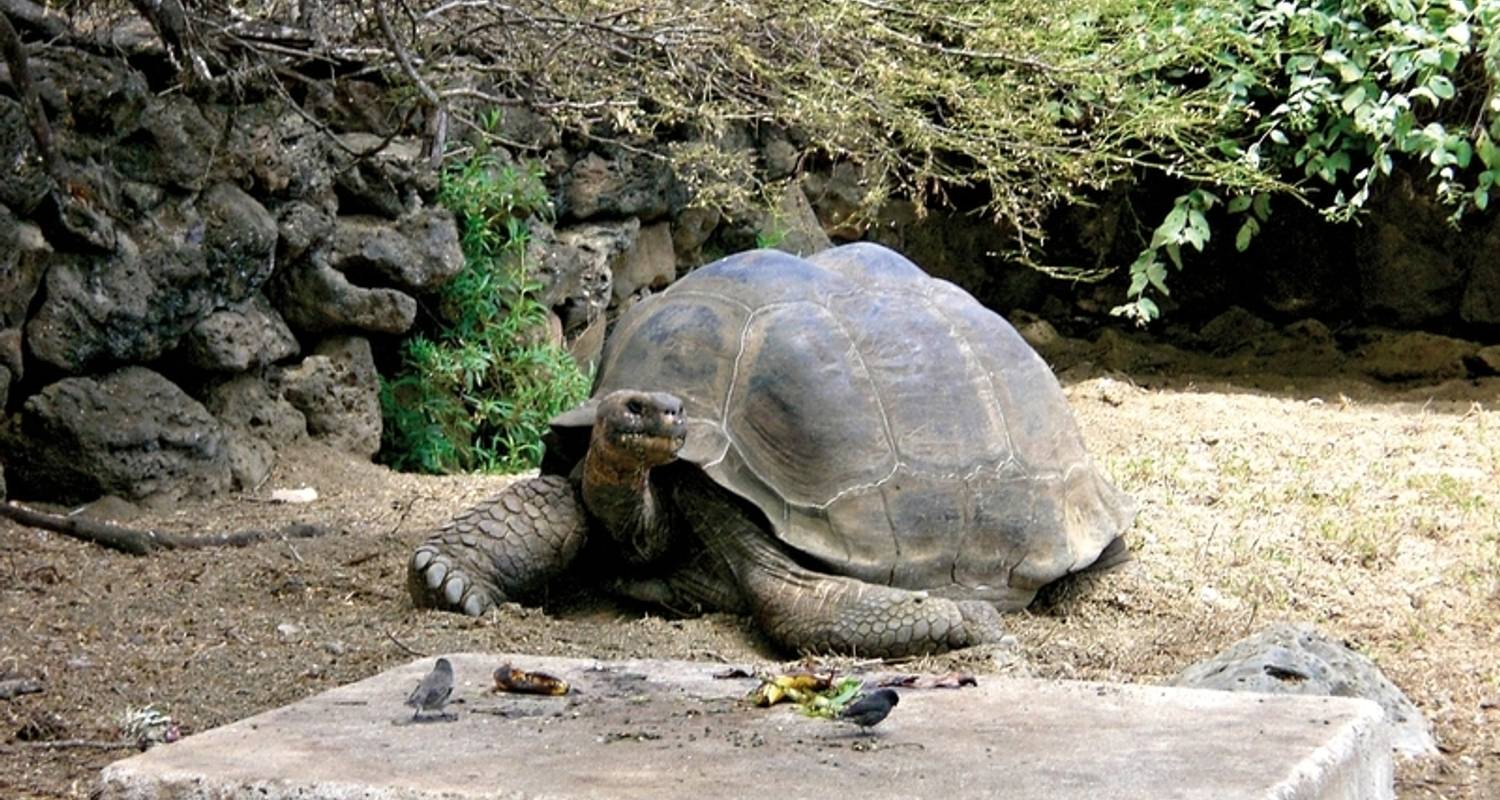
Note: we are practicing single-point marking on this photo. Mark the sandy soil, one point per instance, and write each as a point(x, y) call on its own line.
point(1372, 511)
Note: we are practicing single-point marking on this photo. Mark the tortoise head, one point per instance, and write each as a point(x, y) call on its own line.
point(640, 427)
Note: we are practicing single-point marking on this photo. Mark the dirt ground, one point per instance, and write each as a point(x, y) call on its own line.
point(1372, 511)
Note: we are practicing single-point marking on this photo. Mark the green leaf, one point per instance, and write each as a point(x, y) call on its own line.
point(1441, 86)
point(1458, 32)
point(1262, 206)
point(1156, 273)
point(1277, 136)
point(1481, 198)
point(1489, 154)
point(1197, 232)
point(1463, 152)
point(1246, 233)
point(1353, 98)
point(1239, 204)
point(1170, 230)
point(1174, 252)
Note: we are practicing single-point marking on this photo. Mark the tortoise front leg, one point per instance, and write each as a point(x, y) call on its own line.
point(804, 610)
point(504, 548)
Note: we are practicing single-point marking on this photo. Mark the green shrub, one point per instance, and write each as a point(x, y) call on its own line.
point(475, 391)
point(1323, 99)
point(1020, 106)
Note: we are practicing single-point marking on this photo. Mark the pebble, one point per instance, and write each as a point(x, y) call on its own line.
point(287, 632)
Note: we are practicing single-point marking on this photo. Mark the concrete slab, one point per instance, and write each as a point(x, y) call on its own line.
point(657, 729)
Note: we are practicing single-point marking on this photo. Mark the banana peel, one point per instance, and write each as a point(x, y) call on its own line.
point(510, 679)
point(814, 695)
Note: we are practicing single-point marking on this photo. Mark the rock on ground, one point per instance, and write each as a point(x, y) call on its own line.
point(1299, 659)
point(130, 432)
point(339, 392)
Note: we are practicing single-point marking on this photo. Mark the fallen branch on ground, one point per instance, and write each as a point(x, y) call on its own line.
point(143, 542)
point(15, 687)
point(69, 744)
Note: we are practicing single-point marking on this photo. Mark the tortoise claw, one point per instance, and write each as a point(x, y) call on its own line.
point(436, 580)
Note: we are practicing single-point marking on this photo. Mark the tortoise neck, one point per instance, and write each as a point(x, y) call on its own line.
point(618, 493)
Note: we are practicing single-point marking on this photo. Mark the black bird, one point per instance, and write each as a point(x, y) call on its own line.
point(434, 690)
point(869, 710)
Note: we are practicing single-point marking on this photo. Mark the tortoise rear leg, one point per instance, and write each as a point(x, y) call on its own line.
point(504, 548)
point(805, 610)
point(702, 584)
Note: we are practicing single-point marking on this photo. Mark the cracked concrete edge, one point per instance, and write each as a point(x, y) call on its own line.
point(1356, 764)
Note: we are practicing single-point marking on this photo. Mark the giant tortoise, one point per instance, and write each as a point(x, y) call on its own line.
point(858, 454)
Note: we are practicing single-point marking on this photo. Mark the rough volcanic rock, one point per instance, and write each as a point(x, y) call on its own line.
point(130, 432)
point(1299, 659)
point(619, 185)
point(93, 94)
point(1480, 304)
point(576, 267)
point(837, 196)
point(385, 183)
point(1410, 272)
point(418, 253)
point(315, 298)
point(650, 265)
point(258, 421)
point(338, 391)
point(23, 183)
point(239, 338)
point(174, 145)
point(22, 261)
point(691, 229)
point(1415, 356)
point(280, 155)
point(166, 274)
point(302, 226)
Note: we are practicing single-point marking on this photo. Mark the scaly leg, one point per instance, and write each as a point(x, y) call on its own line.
point(505, 548)
point(809, 611)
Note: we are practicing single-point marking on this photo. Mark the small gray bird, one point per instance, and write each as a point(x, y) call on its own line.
point(869, 710)
point(434, 690)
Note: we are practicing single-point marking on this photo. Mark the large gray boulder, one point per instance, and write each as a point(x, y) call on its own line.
point(1410, 267)
point(338, 391)
point(418, 253)
point(130, 432)
point(165, 275)
point(316, 298)
point(1299, 659)
point(619, 185)
point(258, 421)
point(239, 338)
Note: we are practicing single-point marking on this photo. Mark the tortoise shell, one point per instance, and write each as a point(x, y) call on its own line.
point(887, 425)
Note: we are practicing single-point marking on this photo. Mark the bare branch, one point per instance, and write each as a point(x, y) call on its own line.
point(144, 542)
point(20, 76)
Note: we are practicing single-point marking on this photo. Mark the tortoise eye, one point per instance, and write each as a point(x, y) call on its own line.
point(635, 407)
